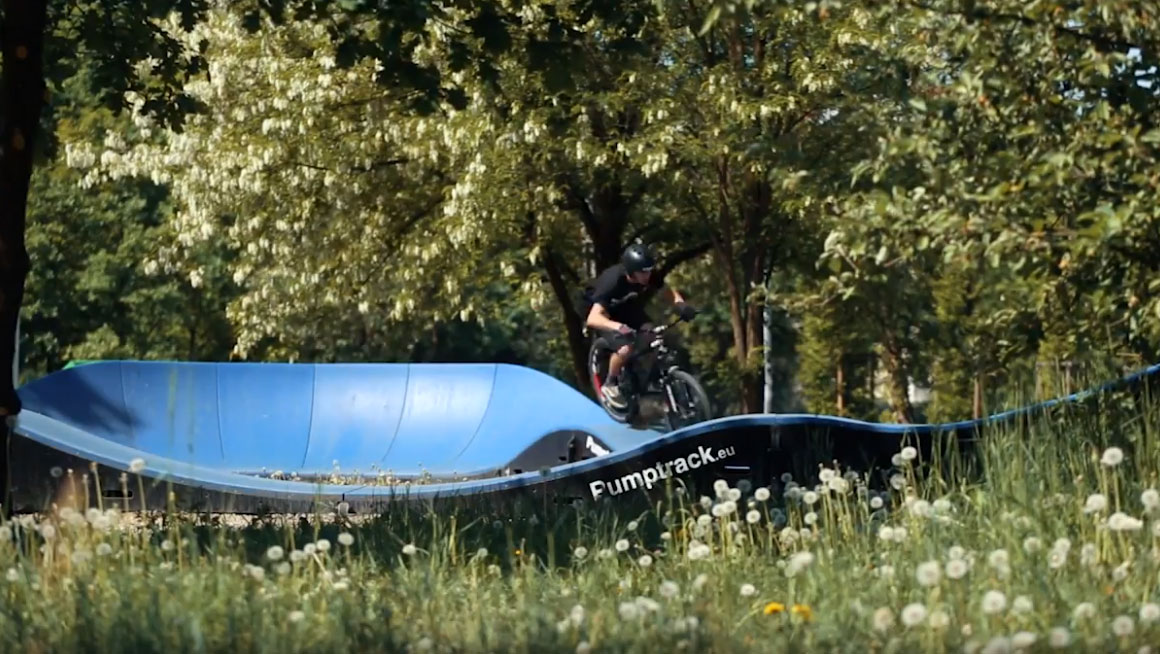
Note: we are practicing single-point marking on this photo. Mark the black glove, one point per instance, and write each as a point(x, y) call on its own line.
point(685, 311)
point(625, 335)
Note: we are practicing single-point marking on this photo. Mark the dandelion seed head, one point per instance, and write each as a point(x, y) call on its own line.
point(1084, 611)
point(883, 619)
point(628, 611)
point(1095, 503)
point(275, 553)
point(748, 590)
point(994, 601)
point(644, 561)
point(939, 619)
point(346, 539)
point(296, 616)
point(1120, 521)
point(1023, 639)
point(928, 573)
point(409, 549)
point(1022, 604)
point(1123, 626)
point(913, 614)
point(761, 494)
point(1149, 613)
point(1113, 456)
point(1059, 637)
point(622, 545)
point(875, 502)
point(998, 558)
point(1031, 544)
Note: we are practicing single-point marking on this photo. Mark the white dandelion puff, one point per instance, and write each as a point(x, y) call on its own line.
point(1059, 637)
point(1084, 611)
point(913, 614)
point(883, 619)
point(928, 573)
point(1022, 604)
point(994, 601)
point(1113, 456)
point(1150, 498)
point(748, 590)
point(1120, 521)
point(1123, 626)
point(1023, 640)
point(346, 539)
point(1095, 503)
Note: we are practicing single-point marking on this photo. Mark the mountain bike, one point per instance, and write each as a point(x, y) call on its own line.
point(650, 372)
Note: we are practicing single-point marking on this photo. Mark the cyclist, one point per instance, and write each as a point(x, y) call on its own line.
point(617, 298)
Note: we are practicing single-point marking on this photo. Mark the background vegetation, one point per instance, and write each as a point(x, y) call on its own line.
point(934, 200)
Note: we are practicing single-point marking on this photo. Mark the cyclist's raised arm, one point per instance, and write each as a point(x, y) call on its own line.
point(598, 318)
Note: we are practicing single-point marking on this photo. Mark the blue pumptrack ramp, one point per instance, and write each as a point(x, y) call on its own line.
point(251, 437)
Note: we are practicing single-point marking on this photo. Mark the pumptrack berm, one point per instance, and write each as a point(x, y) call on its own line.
point(279, 437)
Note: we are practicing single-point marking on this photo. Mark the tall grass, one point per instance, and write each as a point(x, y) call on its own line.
point(1056, 543)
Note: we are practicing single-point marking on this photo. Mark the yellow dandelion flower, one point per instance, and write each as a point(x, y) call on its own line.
point(802, 611)
point(774, 607)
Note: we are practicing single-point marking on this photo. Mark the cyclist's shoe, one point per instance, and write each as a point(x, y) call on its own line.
point(613, 396)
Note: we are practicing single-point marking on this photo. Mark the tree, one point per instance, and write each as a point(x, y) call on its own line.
point(752, 128)
point(140, 59)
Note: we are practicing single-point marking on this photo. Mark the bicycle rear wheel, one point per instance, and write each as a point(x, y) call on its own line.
point(598, 354)
point(692, 402)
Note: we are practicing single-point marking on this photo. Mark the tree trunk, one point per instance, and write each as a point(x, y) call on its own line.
point(841, 384)
point(896, 387)
point(21, 100)
point(977, 404)
point(573, 322)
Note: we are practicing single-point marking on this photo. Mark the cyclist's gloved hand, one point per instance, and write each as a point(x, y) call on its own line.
point(686, 311)
point(626, 334)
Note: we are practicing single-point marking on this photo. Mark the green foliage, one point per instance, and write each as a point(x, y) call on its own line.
point(894, 178)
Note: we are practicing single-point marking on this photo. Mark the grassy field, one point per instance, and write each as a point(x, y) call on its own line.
point(1056, 546)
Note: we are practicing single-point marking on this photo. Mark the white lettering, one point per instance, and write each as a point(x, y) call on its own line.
point(597, 488)
point(661, 470)
point(595, 447)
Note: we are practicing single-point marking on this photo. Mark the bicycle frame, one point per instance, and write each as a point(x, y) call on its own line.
point(655, 345)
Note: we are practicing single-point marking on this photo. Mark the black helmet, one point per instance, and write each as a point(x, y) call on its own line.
point(637, 258)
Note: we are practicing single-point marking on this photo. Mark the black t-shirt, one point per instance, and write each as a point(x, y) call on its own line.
point(614, 291)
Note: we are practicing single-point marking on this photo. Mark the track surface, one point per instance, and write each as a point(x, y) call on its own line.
point(214, 429)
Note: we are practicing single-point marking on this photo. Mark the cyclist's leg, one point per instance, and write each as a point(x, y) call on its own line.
point(636, 319)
